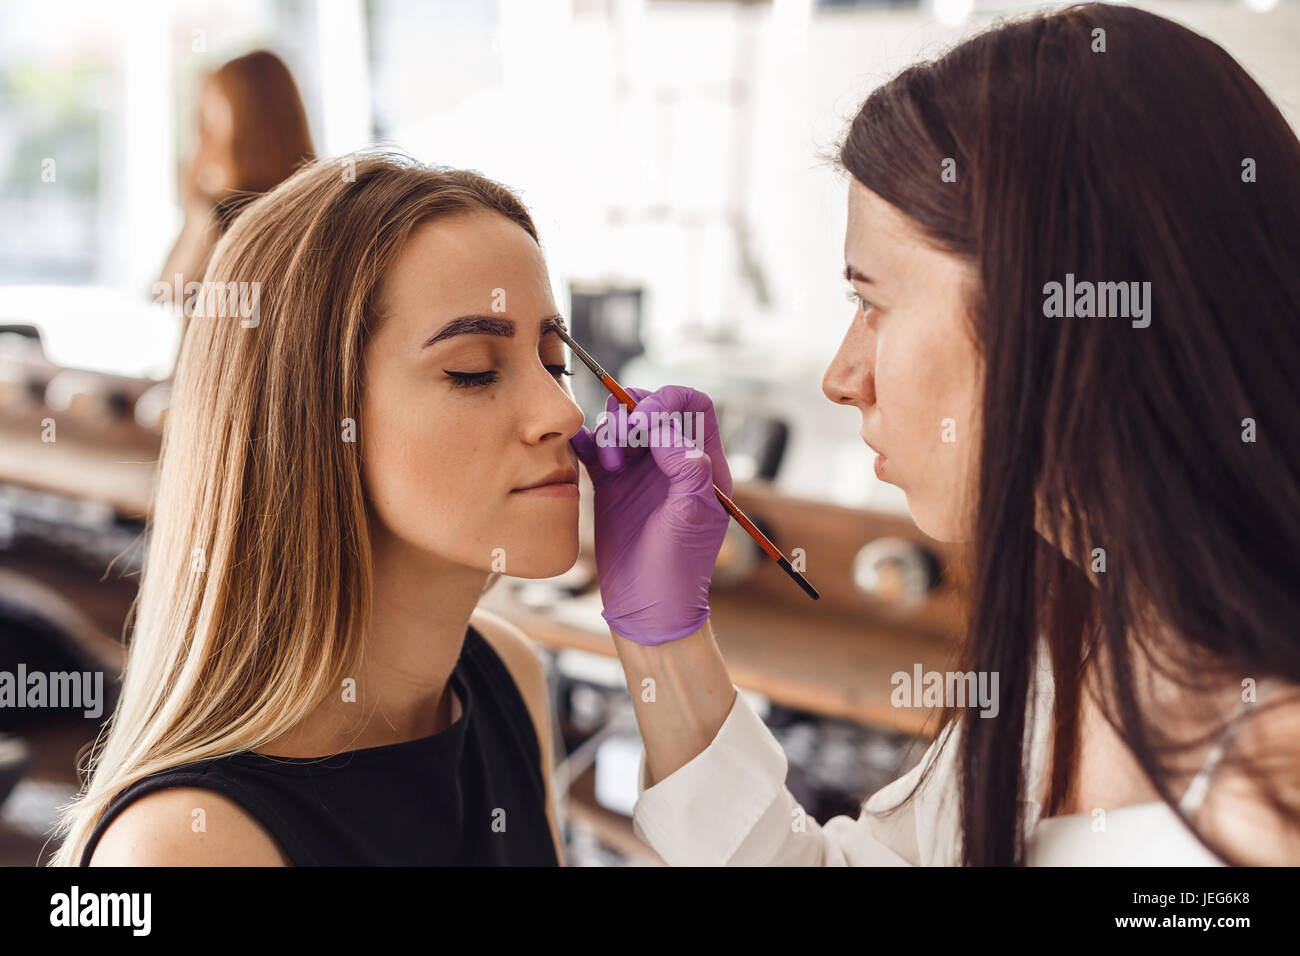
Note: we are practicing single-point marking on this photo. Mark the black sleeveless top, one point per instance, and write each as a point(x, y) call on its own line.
point(472, 794)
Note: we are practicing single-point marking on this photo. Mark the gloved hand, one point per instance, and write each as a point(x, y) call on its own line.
point(659, 526)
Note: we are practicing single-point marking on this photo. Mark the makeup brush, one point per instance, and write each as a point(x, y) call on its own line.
point(630, 403)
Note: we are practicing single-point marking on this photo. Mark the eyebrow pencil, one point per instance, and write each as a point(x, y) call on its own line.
point(630, 403)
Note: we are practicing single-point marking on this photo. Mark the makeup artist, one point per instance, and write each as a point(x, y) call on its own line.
point(1163, 689)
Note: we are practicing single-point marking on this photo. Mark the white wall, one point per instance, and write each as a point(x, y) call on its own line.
point(621, 133)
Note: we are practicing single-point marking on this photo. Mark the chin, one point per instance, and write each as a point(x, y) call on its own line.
point(544, 561)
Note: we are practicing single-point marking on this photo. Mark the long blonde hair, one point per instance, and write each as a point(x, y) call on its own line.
point(257, 582)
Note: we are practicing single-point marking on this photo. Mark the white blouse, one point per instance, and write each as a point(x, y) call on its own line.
point(729, 806)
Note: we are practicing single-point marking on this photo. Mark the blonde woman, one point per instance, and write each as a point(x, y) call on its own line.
point(309, 681)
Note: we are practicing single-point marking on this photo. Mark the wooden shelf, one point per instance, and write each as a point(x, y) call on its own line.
point(835, 664)
point(613, 829)
point(119, 474)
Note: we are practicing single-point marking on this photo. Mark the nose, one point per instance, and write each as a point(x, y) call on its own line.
point(550, 411)
point(850, 379)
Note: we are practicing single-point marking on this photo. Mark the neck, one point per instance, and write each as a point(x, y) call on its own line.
point(420, 611)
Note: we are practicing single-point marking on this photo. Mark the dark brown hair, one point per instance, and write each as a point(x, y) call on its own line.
point(1123, 165)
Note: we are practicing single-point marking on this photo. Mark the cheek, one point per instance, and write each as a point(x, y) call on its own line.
point(925, 388)
point(418, 459)
point(914, 391)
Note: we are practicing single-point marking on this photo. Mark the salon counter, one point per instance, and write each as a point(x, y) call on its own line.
point(117, 469)
point(835, 665)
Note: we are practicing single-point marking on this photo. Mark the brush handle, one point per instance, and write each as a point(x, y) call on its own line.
point(752, 529)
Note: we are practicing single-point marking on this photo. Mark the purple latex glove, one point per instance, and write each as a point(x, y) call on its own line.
point(659, 525)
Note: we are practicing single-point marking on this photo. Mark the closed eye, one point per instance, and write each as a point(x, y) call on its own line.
point(481, 379)
point(853, 296)
point(471, 379)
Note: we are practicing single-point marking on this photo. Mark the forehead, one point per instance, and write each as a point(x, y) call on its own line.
point(893, 251)
point(876, 230)
point(214, 106)
point(467, 261)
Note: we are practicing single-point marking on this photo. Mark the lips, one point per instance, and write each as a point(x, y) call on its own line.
point(561, 476)
point(879, 464)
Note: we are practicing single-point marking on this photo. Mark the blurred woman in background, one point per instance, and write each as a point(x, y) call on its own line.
point(252, 134)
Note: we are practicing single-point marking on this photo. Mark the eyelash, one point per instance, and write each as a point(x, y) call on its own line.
point(852, 296)
point(481, 379)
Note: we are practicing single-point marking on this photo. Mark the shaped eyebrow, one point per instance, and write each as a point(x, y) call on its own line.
point(489, 325)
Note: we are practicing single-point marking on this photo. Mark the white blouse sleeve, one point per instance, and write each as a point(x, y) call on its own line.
point(729, 806)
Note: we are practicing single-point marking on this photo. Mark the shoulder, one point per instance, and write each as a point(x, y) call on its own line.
point(518, 653)
point(1253, 804)
point(522, 660)
point(157, 829)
